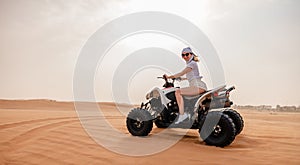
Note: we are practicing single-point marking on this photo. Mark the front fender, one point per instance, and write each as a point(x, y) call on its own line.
point(158, 93)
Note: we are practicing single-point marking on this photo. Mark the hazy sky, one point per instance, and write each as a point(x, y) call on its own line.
point(257, 42)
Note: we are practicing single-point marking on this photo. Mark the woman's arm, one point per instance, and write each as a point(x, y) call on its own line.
point(186, 70)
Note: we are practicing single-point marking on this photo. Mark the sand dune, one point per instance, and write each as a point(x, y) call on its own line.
point(49, 132)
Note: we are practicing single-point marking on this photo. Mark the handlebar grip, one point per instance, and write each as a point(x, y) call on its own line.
point(230, 89)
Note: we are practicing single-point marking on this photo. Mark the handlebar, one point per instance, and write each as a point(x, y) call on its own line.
point(167, 83)
point(166, 79)
point(230, 89)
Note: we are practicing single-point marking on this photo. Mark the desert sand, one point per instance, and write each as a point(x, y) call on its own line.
point(49, 132)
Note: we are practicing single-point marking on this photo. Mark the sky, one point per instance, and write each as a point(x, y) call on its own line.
point(257, 43)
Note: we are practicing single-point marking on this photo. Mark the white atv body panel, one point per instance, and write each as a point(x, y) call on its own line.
point(156, 93)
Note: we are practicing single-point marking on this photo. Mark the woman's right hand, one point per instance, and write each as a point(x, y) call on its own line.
point(166, 76)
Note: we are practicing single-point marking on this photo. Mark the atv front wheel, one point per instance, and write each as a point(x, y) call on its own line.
point(161, 124)
point(237, 119)
point(218, 129)
point(139, 122)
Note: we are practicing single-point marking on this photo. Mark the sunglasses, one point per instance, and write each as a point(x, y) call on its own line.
point(186, 54)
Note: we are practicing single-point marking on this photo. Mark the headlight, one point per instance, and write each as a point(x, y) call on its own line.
point(152, 94)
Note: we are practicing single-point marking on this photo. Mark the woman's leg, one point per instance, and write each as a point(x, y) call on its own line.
point(180, 102)
point(188, 91)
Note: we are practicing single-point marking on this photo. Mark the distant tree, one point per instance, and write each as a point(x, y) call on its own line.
point(277, 106)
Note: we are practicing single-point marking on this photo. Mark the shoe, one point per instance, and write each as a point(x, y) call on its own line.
point(181, 118)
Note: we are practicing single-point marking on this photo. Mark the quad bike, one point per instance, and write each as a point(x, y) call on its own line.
point(209, 112)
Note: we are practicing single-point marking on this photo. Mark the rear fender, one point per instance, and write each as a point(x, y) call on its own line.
point(207, 95)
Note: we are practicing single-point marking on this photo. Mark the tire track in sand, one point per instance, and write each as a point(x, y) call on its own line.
point(16, 124)
point(36, 132)
point(18, 142)
point(11, 125)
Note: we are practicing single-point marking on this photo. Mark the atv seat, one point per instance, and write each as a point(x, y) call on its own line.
point(205, 93)
point(195, 96)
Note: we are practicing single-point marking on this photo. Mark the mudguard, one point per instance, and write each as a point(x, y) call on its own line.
point(156, 93)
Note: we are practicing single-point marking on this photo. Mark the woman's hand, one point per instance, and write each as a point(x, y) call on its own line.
point(165, 76)
point(168, 77)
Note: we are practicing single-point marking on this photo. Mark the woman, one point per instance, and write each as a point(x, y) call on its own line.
point(196, 86)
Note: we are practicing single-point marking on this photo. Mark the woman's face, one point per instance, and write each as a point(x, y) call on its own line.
point(186, 56)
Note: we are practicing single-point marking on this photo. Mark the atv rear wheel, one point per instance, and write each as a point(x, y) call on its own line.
point(218, 129)
point(139, 122)
point(237, 119)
